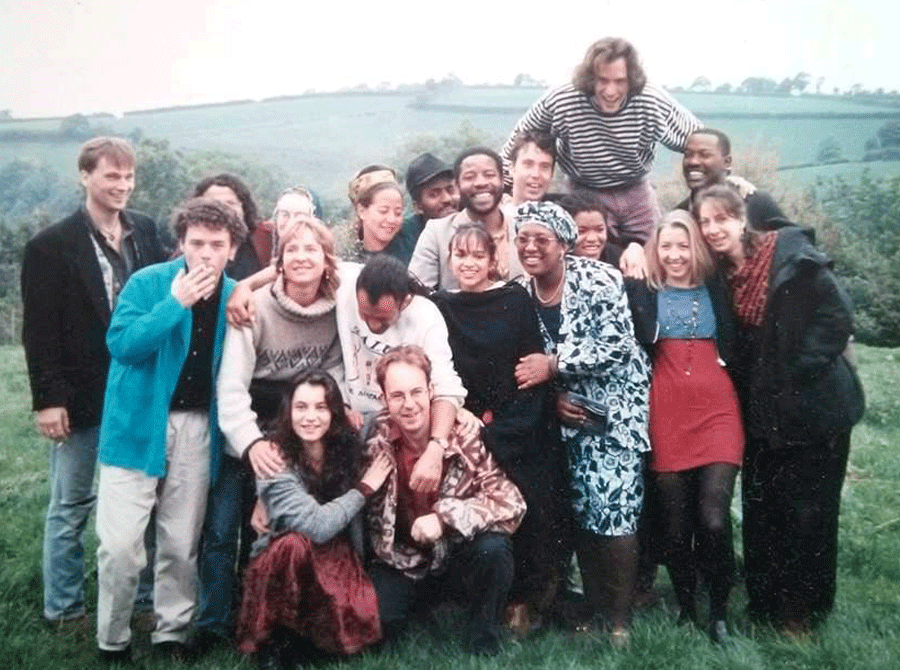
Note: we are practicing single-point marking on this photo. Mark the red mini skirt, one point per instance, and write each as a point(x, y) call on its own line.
point(695, 419)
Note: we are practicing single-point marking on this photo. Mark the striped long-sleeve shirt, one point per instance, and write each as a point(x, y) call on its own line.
point(600, 150)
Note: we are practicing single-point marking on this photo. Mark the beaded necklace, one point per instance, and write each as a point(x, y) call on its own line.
point(688, 320)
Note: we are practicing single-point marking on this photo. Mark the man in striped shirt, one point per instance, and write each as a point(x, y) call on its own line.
point(606, 124)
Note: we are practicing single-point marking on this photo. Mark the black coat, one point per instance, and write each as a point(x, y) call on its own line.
point(66, 314)
point(796, 386)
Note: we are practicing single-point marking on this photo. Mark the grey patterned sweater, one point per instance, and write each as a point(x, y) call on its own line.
point(285, 338)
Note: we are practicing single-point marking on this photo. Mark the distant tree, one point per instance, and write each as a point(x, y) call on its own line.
point(166, 176)
point(5, 114)
point(446, 147)
point(136, 136)
point(723, 88)
point(889, 134)
point(785, 86)
point(801, 81)
point(829, 151)
point(75, 126)
point(524, 79)
point(819, 82)
point(28, 189)
point(860, 230)
point(758, 86)
point(701, 83)
point(266, 182)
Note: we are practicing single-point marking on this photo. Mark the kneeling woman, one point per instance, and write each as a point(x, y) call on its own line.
point(695, 423)
point(307, 577)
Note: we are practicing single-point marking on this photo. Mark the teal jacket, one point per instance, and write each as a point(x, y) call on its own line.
point(148, 339)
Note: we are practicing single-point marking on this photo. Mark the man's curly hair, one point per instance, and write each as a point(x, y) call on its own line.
point(210, 214)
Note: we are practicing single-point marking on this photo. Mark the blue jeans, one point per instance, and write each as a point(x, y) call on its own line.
point(218, 550)
point(72, 498)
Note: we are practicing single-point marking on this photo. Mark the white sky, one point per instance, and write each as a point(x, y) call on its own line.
point(58, 57)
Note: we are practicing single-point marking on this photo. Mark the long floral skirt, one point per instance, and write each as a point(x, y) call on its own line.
point(319, 591)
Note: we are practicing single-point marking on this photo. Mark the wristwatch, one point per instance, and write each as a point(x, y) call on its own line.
point(442, 442)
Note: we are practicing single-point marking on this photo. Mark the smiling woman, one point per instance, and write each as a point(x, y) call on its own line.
point(592, 353)
point(686, 324)
point(378, 204)
point(307, 575)
point(492, 325)
point(800, 398)
point(294, 328)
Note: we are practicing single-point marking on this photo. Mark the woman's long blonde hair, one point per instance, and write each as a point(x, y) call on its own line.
point(701, 264)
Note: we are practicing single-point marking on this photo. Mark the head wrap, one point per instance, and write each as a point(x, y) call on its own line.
point(550, 215)
point(362, 183)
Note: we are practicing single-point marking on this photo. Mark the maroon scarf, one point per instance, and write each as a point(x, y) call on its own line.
point(750, 283)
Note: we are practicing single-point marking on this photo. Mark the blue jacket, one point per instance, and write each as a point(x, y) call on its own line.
point(148, 340)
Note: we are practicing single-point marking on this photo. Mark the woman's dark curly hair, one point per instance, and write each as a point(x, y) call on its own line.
point(239, 188)
point(343, 448)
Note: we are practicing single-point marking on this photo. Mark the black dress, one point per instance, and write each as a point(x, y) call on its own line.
point(489, 332)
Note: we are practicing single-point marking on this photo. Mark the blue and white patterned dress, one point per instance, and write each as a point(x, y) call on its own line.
point(599, 357)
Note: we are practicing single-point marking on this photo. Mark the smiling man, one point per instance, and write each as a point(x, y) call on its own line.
point(160, 444)
point(377, 309)
point(532, 160)
point(479, 177)
point(707, 162)
point(457, 535)
point(607, 122)
point(72, 273)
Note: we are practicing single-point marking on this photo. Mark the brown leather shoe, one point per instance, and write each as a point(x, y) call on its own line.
point(78, 627)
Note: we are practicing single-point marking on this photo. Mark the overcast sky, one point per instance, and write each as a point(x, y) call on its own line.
point(59, 57)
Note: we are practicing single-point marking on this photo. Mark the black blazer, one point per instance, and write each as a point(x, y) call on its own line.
point(66, 314)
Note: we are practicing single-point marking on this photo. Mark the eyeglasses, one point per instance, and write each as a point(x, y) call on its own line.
point(540, 241)
point(283, 215)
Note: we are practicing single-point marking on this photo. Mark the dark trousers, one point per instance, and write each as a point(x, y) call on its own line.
point(791, 501)
point(480, 570)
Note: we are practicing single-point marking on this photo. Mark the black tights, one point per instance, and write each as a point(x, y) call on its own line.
point(695, 528)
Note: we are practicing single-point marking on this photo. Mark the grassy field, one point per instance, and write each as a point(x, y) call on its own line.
point(323, 140)
point(863, 633)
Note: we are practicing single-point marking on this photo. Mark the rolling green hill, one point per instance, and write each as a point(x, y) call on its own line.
point(322, 139)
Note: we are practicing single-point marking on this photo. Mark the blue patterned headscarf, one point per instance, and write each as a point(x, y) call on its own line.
point(550, 215)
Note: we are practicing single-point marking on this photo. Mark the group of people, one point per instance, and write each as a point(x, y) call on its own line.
point(502, 378)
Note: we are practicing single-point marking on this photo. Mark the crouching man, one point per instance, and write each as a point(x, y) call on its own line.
point(456, 537)
point(159, 437)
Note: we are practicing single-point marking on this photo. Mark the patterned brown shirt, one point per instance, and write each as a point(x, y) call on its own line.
point(474, 496)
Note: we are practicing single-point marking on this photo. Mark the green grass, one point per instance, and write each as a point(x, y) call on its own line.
point(863, 632)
